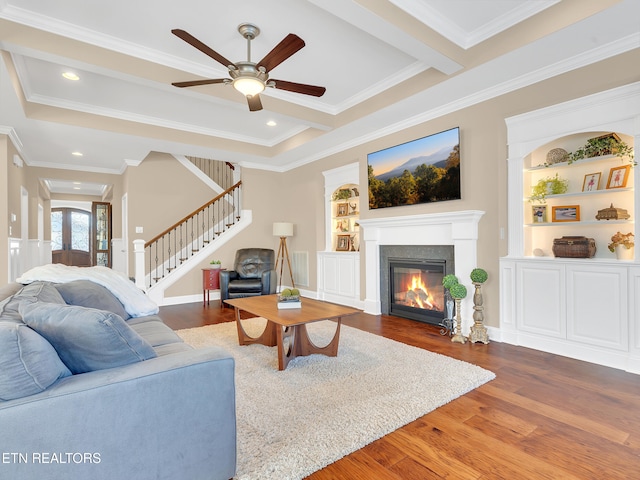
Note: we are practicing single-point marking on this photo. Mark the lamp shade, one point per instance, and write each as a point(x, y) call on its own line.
point(282, 229)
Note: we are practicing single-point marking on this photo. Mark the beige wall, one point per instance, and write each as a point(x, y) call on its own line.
point(160, 192)
point(4, 209)
point(16, 179)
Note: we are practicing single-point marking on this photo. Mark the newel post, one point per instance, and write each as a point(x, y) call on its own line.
point(138, 252)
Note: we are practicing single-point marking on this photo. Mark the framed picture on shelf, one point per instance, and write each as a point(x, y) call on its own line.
point(343, 225)
point(343, 210)
point(343, 244)
point(591, 182)
point(565, 213)
point(539, 213)
point(618, 177)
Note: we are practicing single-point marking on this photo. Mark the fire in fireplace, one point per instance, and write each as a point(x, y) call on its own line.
point(416, 290)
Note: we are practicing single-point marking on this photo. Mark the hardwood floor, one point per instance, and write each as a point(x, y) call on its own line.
point(543, 417)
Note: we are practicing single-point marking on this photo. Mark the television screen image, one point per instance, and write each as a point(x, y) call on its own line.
point(420, 171)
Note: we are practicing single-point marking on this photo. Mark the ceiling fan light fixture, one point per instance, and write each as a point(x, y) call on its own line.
point(248, 86)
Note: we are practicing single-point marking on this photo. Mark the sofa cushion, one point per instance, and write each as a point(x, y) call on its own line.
point(171, 348)
point(85, 293)
point(86, 339)
point(155, 331)
point(28, 363)
point(34, 292)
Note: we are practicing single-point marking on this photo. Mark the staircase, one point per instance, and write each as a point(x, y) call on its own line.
point(167, 257)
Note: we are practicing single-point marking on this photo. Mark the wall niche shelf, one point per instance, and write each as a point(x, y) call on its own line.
point(587, 203)
point(584, 308)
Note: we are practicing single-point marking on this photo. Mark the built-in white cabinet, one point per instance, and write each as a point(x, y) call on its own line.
point(339, 262)
point(574, 308)
point(585, 308)
point(339, 274)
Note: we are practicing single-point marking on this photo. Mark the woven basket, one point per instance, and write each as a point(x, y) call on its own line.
point(574, 247)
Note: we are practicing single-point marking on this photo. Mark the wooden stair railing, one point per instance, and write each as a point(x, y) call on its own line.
point(167, 250)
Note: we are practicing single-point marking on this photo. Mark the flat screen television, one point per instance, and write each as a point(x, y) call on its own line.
point(420, 171)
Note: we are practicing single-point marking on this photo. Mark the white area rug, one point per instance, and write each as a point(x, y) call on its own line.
point(294, 422)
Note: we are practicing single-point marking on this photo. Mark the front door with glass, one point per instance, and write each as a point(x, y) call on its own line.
point(70, 237)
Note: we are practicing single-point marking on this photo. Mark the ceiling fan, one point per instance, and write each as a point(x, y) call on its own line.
point(251, 78)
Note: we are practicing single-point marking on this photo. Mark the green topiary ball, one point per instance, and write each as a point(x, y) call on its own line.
point(458, 291)
point(478, 275)
point(449, 281)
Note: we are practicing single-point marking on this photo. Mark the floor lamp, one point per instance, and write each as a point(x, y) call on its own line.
point(283, 230)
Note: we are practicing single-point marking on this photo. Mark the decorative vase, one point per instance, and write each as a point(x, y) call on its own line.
point(624, 253)
point(448, 322)
point(458, 337)
point(478, 331)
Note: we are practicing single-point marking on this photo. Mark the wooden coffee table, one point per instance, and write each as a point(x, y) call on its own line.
point(287, 328)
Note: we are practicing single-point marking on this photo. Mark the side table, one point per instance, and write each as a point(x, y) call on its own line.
point(210, 281)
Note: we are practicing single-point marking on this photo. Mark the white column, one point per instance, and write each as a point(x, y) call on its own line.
point(138, 252)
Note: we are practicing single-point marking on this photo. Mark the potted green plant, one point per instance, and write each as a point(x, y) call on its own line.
point(622, 244)
point(605, 145)
point(478, 275)
point(548, 186)
point(215, 263)
point(449, 281)
point(342, 194)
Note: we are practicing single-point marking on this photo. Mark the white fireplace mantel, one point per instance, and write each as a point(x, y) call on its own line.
point(459, 229)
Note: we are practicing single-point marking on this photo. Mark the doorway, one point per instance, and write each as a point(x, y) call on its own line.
point(70, 234)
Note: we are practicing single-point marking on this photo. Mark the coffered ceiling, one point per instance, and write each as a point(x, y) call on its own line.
point(386, 65)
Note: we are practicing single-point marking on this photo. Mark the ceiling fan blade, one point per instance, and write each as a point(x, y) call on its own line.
point(193, 41)
point(254, 102)
point(299, 88)
point(195, 83)
point(287, 47)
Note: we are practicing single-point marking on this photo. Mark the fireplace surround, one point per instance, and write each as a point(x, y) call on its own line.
point(453, 229)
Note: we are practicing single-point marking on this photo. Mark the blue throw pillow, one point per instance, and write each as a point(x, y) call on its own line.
point(28, 363)
point(33, 292)
point(86, 339)
point(85, 293)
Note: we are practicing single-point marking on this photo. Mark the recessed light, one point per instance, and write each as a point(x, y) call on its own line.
point(70, 76)
point(272, 123)
point(77, 154)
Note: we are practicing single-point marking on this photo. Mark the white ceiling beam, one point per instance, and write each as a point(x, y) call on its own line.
point(367, 21)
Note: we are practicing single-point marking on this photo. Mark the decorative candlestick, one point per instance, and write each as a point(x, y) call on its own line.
point(458, 292)
point(478, 332)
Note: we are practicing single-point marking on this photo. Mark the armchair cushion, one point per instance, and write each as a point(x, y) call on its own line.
point(251, 262)
point(253, 274)
point(85, 338)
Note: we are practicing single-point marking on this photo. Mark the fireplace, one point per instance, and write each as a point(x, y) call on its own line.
point(422, 264)
point(415, 289)
point(413, 236)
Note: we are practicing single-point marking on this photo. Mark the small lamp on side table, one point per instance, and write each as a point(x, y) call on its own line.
point(283, 230)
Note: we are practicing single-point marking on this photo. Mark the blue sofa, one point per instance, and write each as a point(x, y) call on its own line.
point(88, 393)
